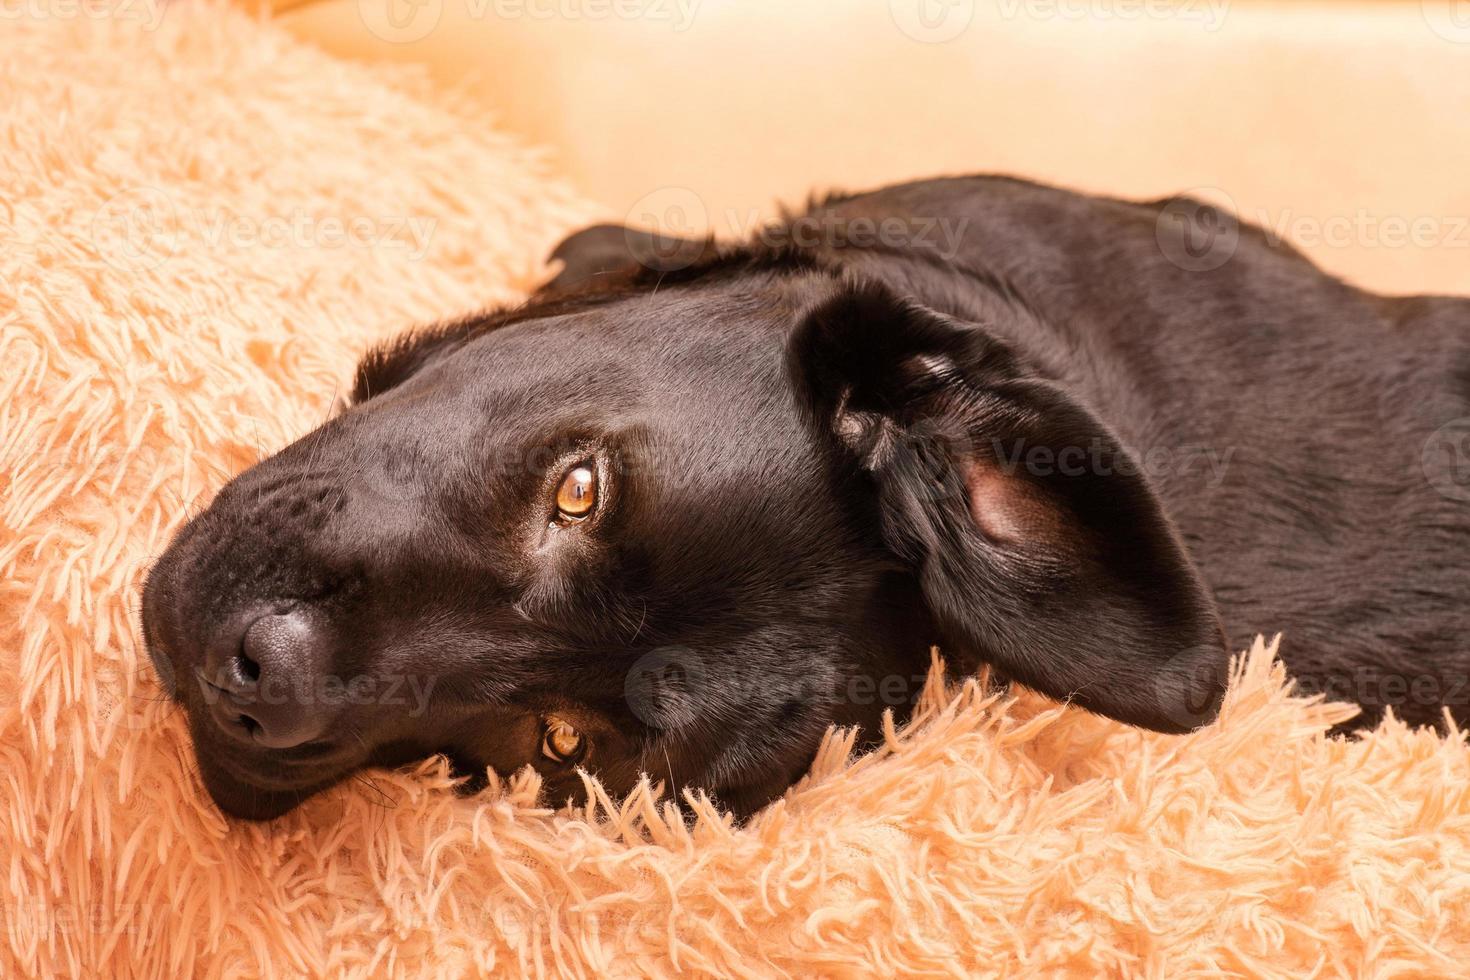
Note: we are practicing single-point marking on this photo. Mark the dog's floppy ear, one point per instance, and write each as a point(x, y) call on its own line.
point(604, 250)
point(1037, 541)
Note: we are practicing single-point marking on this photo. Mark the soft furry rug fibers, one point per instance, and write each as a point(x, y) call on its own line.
point(202, 225)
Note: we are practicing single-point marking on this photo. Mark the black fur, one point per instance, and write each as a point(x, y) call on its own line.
point(1051, 442)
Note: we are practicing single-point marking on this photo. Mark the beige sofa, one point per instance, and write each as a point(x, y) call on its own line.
point(1342, 126)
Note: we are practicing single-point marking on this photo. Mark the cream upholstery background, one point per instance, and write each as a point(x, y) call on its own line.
point(1344, 126)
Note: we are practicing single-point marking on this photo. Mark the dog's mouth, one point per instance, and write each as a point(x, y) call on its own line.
point(265, 785)
point(255, 785)
point(260, 796)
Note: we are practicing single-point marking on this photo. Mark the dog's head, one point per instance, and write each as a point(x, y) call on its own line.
point(671, 527)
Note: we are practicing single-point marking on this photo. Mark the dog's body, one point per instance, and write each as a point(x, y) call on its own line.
point(1287, 420)
point(1044, 431)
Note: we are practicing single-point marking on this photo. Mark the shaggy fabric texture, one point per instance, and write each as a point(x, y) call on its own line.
point(203, 224)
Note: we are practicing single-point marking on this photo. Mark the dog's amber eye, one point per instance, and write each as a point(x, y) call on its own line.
point(577, 494)
point(562, 742)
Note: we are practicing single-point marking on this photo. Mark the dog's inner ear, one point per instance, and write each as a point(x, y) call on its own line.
point(1038, 543)
point(608, 251)
point(1011, 512)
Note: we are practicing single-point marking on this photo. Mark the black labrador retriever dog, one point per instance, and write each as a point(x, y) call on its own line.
point(690, 505)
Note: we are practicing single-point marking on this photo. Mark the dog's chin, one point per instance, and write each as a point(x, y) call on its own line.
point(245, 800)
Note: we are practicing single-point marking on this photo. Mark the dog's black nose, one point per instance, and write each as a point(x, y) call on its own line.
point(265, 676)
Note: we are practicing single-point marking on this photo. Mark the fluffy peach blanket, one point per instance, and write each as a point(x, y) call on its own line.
point(203, 222)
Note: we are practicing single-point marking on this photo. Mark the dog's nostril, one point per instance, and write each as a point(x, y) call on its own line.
point(247, 669)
